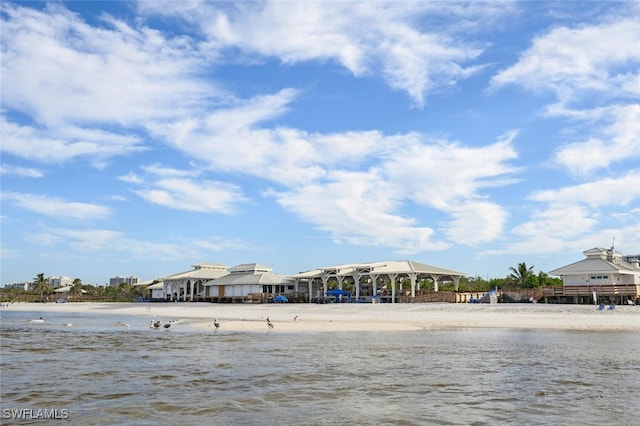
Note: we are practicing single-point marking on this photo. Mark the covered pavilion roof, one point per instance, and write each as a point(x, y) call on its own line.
point(381, 268)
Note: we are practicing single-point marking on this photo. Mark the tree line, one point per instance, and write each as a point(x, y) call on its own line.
point(520, 276)
point(43, 291)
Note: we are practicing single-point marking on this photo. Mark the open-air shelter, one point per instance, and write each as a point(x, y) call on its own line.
point(375, 276)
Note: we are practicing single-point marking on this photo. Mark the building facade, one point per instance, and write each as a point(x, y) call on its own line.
point(604, 273)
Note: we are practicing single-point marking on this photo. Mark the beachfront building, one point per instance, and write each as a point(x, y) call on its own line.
point(369, 282)
point(157, 291)
point(605, 274)
point(57, 282)
point(189, 285)
point(251, 282)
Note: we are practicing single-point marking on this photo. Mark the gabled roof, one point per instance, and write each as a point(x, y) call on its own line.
point(308, 274)
point(391, 267)
point(156, 286)
point(251, 279)
point(205, 265)
point(147, 283)
point(249, 267)
point(200, 273)
point(596, 262)
point(417, 267)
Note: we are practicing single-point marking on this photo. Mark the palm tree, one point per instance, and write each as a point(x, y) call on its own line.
point(522, 276)
point(77, 287)
point(41, 285)
point(542, 278)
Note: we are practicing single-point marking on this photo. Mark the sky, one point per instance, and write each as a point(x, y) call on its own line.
point(140, 138)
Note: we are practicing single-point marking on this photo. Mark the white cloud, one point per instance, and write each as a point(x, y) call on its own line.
point(596, 65)
point(616, 141)
point(475, 222)
point(65, 143)
point(7, 169)
point(60, 70)
point(177, 189)
point(417, 47)
point(57, 207)
point(574, 217)
point(574, 62)
point(79, 242)
point(352, 169)
point(359, 208)
point(612, 191)
point(441, 173)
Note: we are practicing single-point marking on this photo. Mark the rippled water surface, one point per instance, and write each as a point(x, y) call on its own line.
point(107, 370)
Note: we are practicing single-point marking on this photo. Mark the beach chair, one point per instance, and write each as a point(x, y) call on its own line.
point(612, 307)
point(601, 307)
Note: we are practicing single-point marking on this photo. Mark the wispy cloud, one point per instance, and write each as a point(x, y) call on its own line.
point(617, 139)
point(408, 44)
point(576, 62)
point(140, 73)
point(363, 178)
point(176, 189)
point(579, 67)
point(57, 207)
point(65, 143)
point(574, 215)
point(7, 169)
point(92, 240)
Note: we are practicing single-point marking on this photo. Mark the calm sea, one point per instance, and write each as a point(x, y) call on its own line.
point(100, 371)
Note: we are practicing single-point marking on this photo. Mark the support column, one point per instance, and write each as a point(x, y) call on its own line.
point(456, 283)
point(435, 282)
point(325, 285)
point(393, 278)
point(374, 284)
point(310, 288)
point(413, 285)
point(356, 278)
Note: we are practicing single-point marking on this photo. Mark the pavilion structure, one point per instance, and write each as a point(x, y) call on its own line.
point(190, 285)
point(371, 279)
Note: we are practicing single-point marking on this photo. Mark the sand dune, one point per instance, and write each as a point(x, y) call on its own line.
point(364, 317)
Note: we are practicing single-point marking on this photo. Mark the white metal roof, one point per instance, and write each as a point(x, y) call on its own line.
point(390, 267)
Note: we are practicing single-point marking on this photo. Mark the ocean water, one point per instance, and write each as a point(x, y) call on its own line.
point(105, 370)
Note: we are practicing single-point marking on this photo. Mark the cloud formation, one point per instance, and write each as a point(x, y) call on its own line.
point(211, 108)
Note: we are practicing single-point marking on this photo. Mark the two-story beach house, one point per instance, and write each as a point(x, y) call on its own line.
point(605, 275)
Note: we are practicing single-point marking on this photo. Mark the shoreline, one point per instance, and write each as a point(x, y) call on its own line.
point(360, 317)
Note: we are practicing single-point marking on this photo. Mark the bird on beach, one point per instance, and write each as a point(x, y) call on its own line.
point(269, 324)
point(216, 324)
point(167, 325)
point(154, 324)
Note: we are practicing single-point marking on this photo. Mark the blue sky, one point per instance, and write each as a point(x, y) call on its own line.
point(139, 138)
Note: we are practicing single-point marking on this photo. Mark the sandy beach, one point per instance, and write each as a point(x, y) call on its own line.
point(361, 317)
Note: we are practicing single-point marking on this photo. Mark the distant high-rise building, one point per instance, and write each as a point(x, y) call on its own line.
point(26, 286)
point(57, 282)
point(117, 280)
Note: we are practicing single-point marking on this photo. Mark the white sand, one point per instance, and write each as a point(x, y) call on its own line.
point(362, 317)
